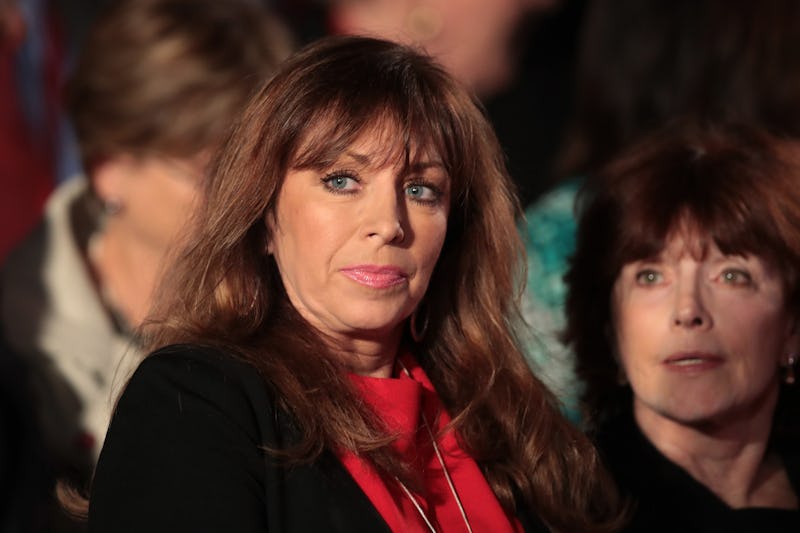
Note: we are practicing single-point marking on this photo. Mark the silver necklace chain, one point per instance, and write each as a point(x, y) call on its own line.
point(446, 472)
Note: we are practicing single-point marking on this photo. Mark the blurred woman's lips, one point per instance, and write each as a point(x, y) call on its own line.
point(376, 276)
point(692, 361)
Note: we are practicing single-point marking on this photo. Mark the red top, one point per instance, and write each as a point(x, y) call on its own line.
point(399, 401)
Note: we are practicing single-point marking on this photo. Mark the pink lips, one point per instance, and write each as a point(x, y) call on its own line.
point(692, 362)
point(375, 276)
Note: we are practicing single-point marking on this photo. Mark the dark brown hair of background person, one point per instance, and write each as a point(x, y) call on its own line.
point(644, 63)
point(179, 97)
point(226, 290)
point(735, 184)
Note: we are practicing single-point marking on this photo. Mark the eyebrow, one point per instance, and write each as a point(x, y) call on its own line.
point(361, 159)
point(366, 160)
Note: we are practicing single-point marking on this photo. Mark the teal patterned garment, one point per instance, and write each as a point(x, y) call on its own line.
point(549, 236)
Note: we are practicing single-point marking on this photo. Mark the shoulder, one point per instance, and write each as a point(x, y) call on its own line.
point(176, 373)
point(193, 360)
point(186, 446)
point(191, 394)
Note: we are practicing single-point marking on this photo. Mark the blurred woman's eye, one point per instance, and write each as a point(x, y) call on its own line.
point(341, 182)
point(649, 276)
point(423, 193)
point(735, 276)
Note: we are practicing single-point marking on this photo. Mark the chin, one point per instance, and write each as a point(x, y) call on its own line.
point(701, 414)
point(693, 418)
point(688, 408)
point(373, 324)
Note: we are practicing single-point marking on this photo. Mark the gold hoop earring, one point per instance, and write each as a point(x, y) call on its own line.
point(791, 361)
point(416, 334)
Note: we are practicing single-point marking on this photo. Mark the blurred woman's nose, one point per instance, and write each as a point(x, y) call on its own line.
point(690, 310)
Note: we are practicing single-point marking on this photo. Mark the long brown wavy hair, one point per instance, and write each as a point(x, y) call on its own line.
point(224, 290)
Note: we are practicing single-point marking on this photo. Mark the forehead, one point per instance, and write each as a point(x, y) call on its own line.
point(651, 236)
point(380, 149)
point(691, 244)
point(377, 143)
point(687, 238)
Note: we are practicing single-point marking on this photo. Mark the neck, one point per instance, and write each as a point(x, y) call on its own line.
point(730, 458)
point(126, 271)
point(372, 356)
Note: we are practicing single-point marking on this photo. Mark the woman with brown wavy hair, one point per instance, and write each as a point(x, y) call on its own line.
point(335, 349)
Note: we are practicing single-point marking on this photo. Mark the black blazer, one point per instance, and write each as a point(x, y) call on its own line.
point(666, 498)
point(184, 453)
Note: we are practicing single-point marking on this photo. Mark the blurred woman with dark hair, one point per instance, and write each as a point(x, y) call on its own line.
point(335, 348)
point(682, 311)
point(643, 63)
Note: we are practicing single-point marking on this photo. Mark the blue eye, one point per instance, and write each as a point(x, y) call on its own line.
point(649, 277)
point(422, 193)
point(340, 182)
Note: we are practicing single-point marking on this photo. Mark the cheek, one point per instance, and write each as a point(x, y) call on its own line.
point(758, 330)
point(636, 352)
point(179, 204)
point(302, 242)
point(289, 256)
point(429, 241)
point(626, 341)
point(185, 199)
point(630, 324)
point(635, 331)
point(161, 208)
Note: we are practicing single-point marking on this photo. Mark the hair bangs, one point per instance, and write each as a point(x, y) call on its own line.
point(407, 136)
point(707, 197)
point(322, 146)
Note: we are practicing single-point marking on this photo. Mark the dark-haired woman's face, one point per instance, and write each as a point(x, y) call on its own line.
point(356, 243)
point(701, 336)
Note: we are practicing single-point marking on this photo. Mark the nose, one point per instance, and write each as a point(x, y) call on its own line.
point(385, 218)
point(690, 311)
